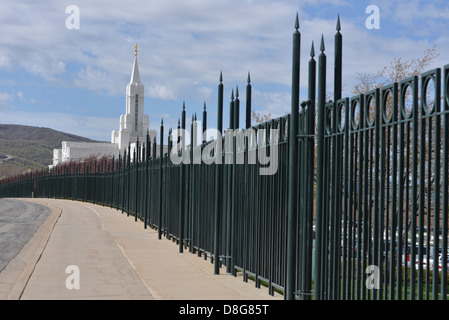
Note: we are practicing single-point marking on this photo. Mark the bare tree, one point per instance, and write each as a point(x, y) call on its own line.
point(397, 70)
point(260, 118)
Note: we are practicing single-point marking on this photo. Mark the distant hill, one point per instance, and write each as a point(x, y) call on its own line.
point(24, 148)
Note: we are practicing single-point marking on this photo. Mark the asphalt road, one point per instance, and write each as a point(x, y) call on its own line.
point(19, 220)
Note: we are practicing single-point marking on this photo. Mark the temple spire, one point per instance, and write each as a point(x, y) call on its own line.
point(135, 76)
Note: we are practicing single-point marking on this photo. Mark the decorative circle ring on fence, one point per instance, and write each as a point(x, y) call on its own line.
point(428, 105)
point(370, 110)
point(387, 106)
point(328, 117)
point(355, 114)
point(407, 100)
point(285, 121)
point(341, 116)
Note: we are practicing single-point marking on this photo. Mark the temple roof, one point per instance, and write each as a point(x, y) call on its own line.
point(135, 77)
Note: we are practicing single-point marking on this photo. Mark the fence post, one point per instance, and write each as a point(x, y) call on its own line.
point(310, 158)
point(136, 166)
point(248, 102)
point(320, 169)
point(200, 177)
point(190, 191)
point(168, 181)
point(218, 177)
point(293, 169)
point(234, 178)
point(153, 191)
point(228, 177)
point(161, 153)
point(147, 161)
point(338, 54)
point(182, 184)
point(128, 180)
point(95, 181)
point(338, 163)
point(123, 180)
point(445, 186)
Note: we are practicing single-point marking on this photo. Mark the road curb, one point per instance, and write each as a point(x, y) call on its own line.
point(18, 271)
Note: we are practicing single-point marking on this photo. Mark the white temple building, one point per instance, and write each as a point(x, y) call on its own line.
point(133, 126)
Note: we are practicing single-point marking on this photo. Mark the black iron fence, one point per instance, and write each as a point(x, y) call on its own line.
point(354, 207)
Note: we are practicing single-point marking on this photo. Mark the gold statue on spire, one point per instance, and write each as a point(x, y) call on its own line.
point(135, 48)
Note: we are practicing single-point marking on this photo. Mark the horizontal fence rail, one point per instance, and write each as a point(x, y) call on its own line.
point(343, 199)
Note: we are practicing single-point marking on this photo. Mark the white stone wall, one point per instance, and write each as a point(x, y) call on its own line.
point(57, 156)
point(81, 150)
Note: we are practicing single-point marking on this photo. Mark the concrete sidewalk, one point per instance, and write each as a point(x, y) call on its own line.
point(116, 258)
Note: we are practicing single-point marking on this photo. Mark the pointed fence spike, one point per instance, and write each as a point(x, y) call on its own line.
point(249, 78)
point(204, 105)
point(322, 43)
point(338, 23)
point(237, 92)
point(221, 76)
point(312, 50)
point(232, 94)
point(297, 21)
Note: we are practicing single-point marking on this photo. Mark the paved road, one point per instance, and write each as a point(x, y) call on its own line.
point(19, 221)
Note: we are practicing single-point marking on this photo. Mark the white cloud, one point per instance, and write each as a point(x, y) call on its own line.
point(275, 103)
point(22, 98)
point(159, 92)
point(5, 97)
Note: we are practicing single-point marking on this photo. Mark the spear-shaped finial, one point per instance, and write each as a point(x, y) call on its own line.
point(204, 105)
point(312, 50)
point(338, 23)
point(221, 77)
point(195, 116)
point(162, 122)
point(232, 95)
point(237, 92)
point(297, 22)
point(183, 105)
point(322, 43)
point(249, 78)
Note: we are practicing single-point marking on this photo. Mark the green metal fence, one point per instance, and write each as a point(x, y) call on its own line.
point(357, 207)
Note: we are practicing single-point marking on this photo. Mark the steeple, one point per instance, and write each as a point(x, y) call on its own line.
point(135, 77)
point(134, 123)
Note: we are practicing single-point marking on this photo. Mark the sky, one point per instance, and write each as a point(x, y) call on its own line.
point(72, 77)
